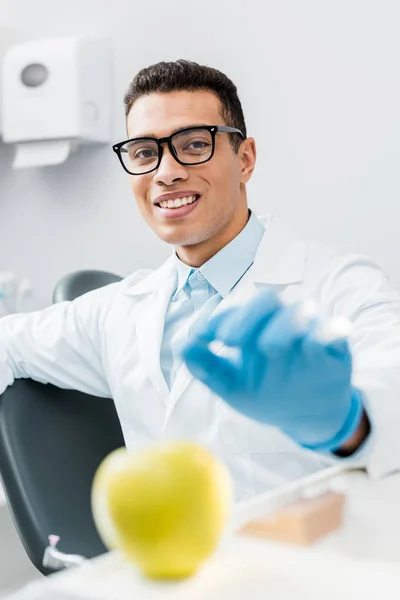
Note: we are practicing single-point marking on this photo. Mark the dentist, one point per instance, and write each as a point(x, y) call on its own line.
point(209, 346)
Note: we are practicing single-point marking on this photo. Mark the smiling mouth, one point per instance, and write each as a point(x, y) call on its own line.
point(178, 202)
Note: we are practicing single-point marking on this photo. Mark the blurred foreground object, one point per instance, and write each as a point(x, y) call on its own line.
point(300, 512)
point(303, 522)
point(165, 508)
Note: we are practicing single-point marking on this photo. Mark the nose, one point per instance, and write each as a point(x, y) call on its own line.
point(169, 170)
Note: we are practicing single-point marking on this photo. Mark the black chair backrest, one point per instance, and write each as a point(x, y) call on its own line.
point(80, 282)
point(51, 443)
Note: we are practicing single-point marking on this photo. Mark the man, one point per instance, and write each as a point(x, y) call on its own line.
point(229, 300)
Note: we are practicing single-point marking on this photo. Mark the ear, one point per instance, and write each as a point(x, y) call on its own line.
point(247, 155)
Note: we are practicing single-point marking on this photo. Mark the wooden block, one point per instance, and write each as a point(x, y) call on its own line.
point(302, 522)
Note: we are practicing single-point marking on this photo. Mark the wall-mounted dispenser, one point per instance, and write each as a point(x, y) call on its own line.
point(55, 96)
point(7, 38)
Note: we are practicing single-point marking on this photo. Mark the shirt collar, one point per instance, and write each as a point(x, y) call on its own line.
point(227, 267)
point(183, 272)
point(280, 260)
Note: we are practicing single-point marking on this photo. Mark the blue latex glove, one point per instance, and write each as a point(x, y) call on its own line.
point(283, 376)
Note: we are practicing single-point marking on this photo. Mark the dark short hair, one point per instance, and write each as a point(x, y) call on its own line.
point(182, 74)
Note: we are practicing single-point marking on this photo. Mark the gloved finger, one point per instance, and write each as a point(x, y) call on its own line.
point(216, 372)
point(244, 324)
point(333, 333)
point(312, 346)
point(206, 330)
point(281, 332)
point(338, 348)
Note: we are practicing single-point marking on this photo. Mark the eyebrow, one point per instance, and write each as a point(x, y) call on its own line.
point(153, 135)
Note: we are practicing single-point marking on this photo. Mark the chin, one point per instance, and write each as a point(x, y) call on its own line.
point(180, 238)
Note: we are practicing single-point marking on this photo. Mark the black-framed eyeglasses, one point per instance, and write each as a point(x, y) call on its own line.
point(189, 146)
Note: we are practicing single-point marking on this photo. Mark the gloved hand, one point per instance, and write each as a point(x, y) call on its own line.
point(283, 376)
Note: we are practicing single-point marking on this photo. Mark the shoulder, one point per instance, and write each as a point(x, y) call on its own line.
point(341, 281)
point(348, 281)
point(331, 264)
point(98, 302)
point(134, 278)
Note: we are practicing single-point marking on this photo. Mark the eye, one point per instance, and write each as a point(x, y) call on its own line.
point(145, 153)
point(139, 152)
point(197, 145)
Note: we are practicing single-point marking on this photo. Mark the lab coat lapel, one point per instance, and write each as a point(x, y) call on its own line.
point(182, 380)
point(150, 319)
point(280, 256)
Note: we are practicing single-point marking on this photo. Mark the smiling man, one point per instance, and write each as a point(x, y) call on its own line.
point(215, 345)
point(195, 163)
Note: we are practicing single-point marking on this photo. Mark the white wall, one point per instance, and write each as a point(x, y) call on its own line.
point(320, 85)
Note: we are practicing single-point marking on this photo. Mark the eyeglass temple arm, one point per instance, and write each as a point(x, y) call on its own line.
point(225, 129)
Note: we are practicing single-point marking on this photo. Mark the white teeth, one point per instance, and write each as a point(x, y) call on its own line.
point(177, 202)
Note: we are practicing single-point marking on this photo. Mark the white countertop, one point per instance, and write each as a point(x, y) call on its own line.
point(372, 520)
point(361, 560)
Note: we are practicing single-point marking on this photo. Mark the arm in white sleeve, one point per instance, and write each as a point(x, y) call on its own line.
point(61, 344)
point(373, 306)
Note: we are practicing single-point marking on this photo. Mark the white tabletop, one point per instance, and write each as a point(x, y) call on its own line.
point(361, 560)
point(372, 520)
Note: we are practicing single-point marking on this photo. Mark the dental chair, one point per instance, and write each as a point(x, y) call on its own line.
point(79, 282)
point(51, 443)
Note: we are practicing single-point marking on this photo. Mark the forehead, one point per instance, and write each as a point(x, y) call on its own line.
point(160, 114)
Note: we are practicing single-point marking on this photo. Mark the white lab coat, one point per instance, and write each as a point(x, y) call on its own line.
point(107, 343)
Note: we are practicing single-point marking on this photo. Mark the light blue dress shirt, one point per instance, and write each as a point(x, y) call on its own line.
point(199, 291)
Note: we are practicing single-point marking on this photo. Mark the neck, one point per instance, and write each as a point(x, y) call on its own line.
point(198, 254)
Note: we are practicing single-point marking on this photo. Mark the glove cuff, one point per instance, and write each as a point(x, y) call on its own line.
point(349, 427)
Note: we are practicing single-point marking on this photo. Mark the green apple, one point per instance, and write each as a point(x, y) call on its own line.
point(165, 507)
